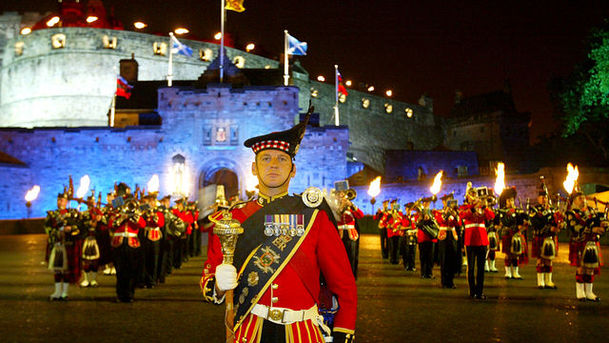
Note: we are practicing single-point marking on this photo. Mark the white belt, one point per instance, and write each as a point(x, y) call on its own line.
point(346, 227)
point(284, 316)
point(479, 225)
point(125, 234)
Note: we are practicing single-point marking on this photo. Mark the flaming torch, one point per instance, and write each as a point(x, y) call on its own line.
point(153, 184)
point(500, 180)
point(436, 186)
point(570, 182)
point(374, 190)
point(83, 188)
point(30, 196)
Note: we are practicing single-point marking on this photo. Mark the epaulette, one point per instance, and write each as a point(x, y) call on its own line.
point(312, 197)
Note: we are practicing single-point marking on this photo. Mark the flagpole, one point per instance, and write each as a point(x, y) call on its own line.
point(170, 65)
point(113, 109)
point(286, 72)
point(222, 13)
point(336, 118)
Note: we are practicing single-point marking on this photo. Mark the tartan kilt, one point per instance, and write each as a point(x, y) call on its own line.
point(576, 252)
point(537, 243)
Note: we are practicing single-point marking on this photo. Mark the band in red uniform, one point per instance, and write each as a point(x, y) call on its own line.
point(448, 221)
point(427, 235)
point(348, 214)
point(383, 215)
point(408, 239)
point(392, 223)
point(288, 243)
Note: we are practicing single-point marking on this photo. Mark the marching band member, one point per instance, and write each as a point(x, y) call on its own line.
point(427, 235)
point(91, 253)
point(512, 224)
point(382, 215)
point(104, 239)
point(474, 214)
point(448, 220)
point(408, 240)
point(288, 242)
point(493, 238)
point(585, 226)
point(61, 226)
point(545, 224)
point(349, 214)
point(151, 241)
point(394, 219)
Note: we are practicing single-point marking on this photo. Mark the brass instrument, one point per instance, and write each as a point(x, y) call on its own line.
point(350, 194)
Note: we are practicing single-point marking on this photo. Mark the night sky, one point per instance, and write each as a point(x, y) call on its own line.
point(411, 47)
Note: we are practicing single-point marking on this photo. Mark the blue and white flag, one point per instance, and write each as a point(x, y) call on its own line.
point(179, 48)
point(296, 47)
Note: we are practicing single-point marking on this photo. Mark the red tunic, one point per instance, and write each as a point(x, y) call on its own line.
point(421, 235)
point(473, 221)
point(127, 229)
point(394, 222)
point(347, 222)
point(325, 253)
point(154, 232)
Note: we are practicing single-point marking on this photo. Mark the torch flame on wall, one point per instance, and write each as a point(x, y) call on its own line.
point(153, 184)
point(32, 194)
point(83, 187)
point(571, 179)
point(375, 187)
point(500, 180)
point(437, 183)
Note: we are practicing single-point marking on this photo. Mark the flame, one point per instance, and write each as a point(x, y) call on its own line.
point(251, 181)
point(83, 187)
point(437, 183)
point(375, 187)
point(32, 194)
point(571, 179)
point(500, 180)
point(153, 184)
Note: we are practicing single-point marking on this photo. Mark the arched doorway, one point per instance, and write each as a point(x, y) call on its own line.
point(223, 176)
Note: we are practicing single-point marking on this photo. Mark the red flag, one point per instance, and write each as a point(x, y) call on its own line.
point(123, 88)
point(341, 87)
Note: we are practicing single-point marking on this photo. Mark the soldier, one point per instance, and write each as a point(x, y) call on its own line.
point(426, 236)
point(61, 226)
point(474, 213)
point(348, 222)
point(545, 224)
point(126, 250)
point(180, 246)
point(288, 242)
point(91, 224)
point(382, 215)
point(171, 232)
point(151, 243)
point(105, 248)
point(585, 226)
point(448, 220)
point(195, 237)
point(493, 238)
point(394, 221)
point(408, 240)
point(512, 225)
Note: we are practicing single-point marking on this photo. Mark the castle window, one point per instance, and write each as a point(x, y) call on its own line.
point(207, 136)
point(159, 48)
point(234, 135)
point(19, 48)
point(462, 171)
point(388, 108)
point(58, 41)
point(206, 54)
point(109, 42)
point(365, 102)
point(239, 62)
point(408, 112)
point(314, 92)
point(342, 98)
point(220, 135)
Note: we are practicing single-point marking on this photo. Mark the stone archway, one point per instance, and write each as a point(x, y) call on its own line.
point(225, 177)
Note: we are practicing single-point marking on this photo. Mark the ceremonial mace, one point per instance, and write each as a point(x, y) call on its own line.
point(228, 230)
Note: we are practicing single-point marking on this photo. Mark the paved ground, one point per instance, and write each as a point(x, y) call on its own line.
point(394, 306)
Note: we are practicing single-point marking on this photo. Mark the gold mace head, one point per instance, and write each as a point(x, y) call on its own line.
point(228, 230)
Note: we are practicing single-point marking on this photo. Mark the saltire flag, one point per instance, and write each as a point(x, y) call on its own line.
point(179, 48)
point(296, 47)
point(341, 87)
point(123, 88)
point(235, 5)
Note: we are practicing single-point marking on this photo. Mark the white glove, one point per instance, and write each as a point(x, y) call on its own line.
point(226, 277)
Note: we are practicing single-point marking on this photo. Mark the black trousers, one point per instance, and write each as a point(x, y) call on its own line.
point(127, 262)
point(476, 255)
point(394, 246)
point(408, 252)
point(152, 257)
point(384, 243)
point(166, 257)
point(426, 258)
point(352, 248)
point(449, 260)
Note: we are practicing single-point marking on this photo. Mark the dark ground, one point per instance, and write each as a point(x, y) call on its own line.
point(394, 306)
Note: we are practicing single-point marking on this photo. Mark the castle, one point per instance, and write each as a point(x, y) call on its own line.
point(57, 86)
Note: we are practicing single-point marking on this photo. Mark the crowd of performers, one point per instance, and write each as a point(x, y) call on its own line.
point(471, 234)
point(136, 236)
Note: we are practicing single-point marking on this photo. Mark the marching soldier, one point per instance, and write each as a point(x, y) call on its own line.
point(288, 242)
point(585, 226)
point(180, 247)
point(349, 215)
point(151, 243)
point(512, 225)
point(126, 245)
point(105, 247)
point(394, 232)
point(448, 220)
point(474, 213)
point(61, 226)
point(545, 224)
point(493, 238)
point(382, 215)
point(426, 236)
point(171, 232)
